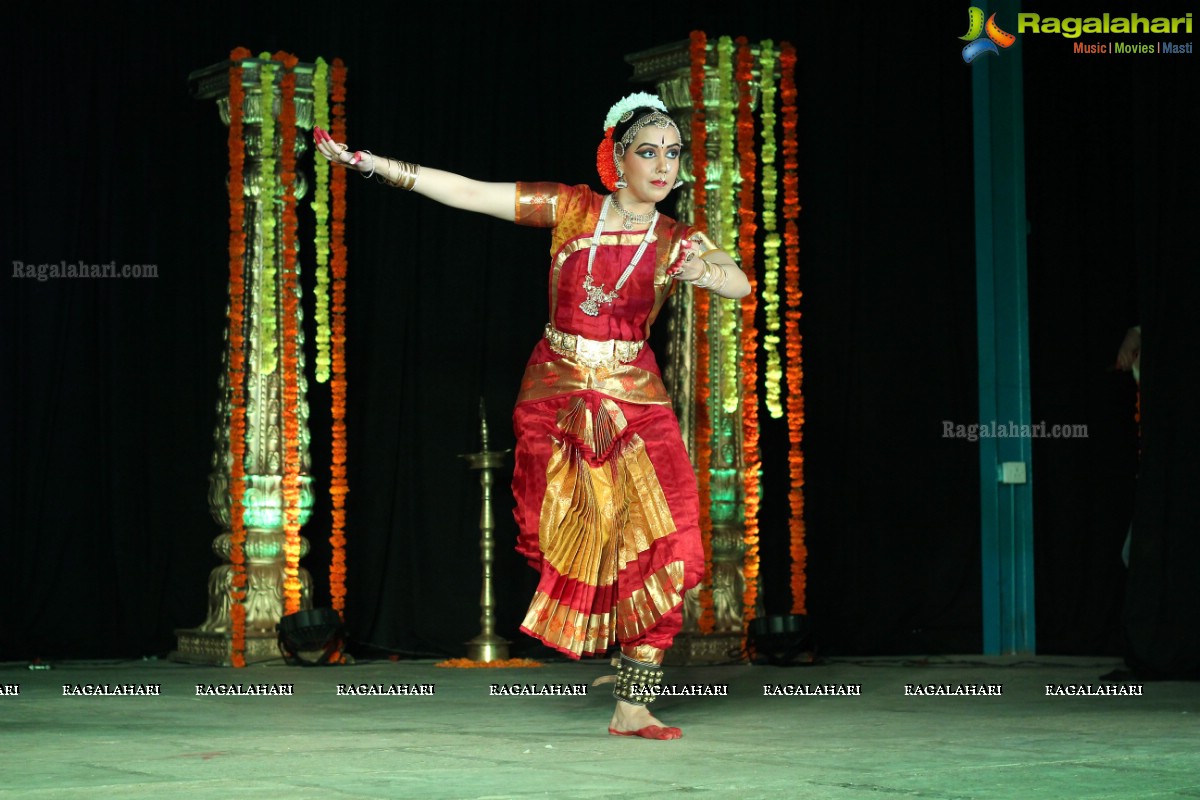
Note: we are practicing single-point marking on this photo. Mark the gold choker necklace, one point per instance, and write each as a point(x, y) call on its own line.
point(631, 218)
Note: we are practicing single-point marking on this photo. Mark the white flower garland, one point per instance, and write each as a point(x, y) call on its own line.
point(629, 103)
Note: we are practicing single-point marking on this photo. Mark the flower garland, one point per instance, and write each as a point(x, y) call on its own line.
point(698, 51)
point(747, 161)
point(795, 361)
point(631, 102)
point(499, 663)
point(338, 484)
point(771, 241)
point(237, 359)
point(606, 167)
point(320, 207)
point(266, 290)
point(290, 294)
point(727, 362)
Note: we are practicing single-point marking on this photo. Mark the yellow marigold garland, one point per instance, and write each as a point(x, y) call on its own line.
point(320, 207)
point(770, 192)
point(266, 290)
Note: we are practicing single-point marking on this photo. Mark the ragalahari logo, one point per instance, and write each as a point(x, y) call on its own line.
point(976, 28)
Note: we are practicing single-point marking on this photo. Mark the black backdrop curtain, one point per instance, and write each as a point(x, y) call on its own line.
point(1111, 177)
point(110, 386)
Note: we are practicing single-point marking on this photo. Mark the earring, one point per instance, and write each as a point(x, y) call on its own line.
point(678, 183)
point(621, 182)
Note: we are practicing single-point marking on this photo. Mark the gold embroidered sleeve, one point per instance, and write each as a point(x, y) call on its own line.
point(537, 204)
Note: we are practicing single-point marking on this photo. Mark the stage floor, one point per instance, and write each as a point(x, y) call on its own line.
point(916, 728)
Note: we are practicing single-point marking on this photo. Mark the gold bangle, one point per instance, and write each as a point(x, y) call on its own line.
point(406, 175)
point(705, 279)
point(710, 279)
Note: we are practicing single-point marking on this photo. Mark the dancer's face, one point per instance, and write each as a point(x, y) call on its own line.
point(651, 164)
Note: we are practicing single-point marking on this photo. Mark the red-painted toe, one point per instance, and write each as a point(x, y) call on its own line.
point(650, 732)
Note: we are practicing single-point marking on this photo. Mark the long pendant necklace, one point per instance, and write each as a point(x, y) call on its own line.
point(596, 294)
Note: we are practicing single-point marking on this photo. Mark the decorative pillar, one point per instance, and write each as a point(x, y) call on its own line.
point(669, 69)
point(211, 641)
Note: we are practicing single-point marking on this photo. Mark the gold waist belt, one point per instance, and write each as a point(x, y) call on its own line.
point(591, 353)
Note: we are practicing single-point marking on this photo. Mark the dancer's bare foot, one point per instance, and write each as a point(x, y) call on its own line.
point(633, 720)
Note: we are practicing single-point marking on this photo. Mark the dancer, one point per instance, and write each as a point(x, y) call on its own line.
point(606, 500)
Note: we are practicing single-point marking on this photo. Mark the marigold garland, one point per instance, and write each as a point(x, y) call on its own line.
point(698, 51)
point(793, 348)
point(290, 297)
point(606, 167)
point(507, 663)
point(338, 484)
point(770, 193)
point(320, 207)
point(237, 360)
point(727, 366)
point(266, 290)
point(747, 162)
point(277, 183)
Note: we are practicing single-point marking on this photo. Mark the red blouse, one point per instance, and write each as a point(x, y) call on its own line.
point(572, 212)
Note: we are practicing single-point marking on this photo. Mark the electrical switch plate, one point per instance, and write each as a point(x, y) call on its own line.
point(1012, 472)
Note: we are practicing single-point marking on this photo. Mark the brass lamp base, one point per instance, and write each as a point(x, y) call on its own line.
point(487, 648)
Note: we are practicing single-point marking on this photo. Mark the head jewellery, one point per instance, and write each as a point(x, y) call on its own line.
point(607, 155)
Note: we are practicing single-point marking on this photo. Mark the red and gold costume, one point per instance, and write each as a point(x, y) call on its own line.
point(605, 493)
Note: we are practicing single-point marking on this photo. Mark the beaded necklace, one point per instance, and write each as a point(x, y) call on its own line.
point(596, 294)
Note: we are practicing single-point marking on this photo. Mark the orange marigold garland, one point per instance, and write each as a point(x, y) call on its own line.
point(698, 51)
point(748, 162)
point(290, 301)
point(505, 663)
point(338, 484)
point(793, 342)
point(237, 359)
